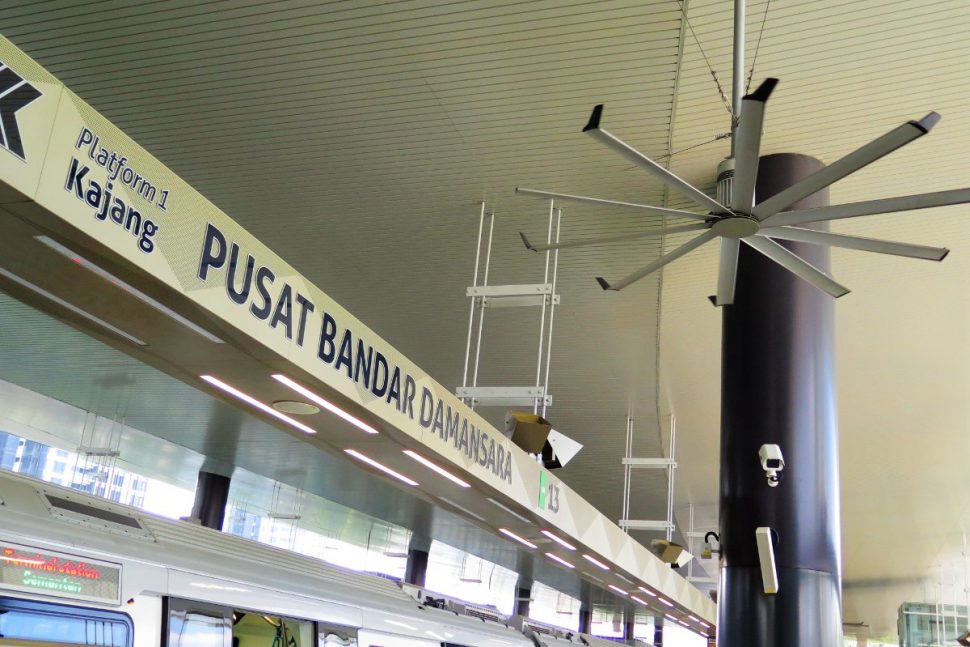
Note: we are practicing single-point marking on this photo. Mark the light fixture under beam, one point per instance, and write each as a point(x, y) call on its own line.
point(635, 598)
point(593, 560)
point(130, 289)
point(326, 404)
point(265, 408)
point(435, 468)
point(617, 589)
point(509, 510)
point(509, 533)
point(24, 283)
point(562, 542)
point(559, 560)
point(384, 468)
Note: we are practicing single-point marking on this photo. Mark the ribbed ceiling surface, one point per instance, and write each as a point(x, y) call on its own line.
point(358, 139)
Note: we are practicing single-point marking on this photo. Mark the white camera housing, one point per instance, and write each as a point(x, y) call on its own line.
point(772, 462)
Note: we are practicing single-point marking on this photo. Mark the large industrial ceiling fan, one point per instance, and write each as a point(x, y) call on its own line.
point(761, 224)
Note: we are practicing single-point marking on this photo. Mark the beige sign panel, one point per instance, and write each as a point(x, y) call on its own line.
point(95, 179)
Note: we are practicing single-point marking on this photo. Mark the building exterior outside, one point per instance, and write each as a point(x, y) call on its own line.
point(923, 624)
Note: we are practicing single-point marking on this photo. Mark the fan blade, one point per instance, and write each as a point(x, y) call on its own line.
point(689, 246)
point(612, 239)
point(895, 138)
point(647, 164)
point(747, 148)
point(660, 211)
point(727, 272)
point(797, 265)
point(856, 242)
point(869, 208)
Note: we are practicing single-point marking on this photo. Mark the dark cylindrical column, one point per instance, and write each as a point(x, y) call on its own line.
point(629, 624)
point(211, 496)
point(523, 596)
point(778, 387)
point(585, 619)
point(417, 567)
point(658, 632)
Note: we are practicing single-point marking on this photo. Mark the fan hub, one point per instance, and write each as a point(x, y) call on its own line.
point(736, 226)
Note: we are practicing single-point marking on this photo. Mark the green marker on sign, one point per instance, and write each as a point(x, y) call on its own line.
point(543, 486)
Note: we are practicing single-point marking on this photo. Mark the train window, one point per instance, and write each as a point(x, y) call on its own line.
point(198, 625)
point(254, 629)
point(334, 636)
point(26, 622)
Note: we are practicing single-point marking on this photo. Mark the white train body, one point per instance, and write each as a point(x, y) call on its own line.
point(161, 565)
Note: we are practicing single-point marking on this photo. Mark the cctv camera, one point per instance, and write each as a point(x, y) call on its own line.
point(772, 463)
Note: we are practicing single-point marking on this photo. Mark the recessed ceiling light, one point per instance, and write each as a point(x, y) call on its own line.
point(326, 404)
point(509, 533)
point(130, 289)
point(593, 560)
point(70, 306)
point(384, 468)
point(432, 466)
point(643, 602)
point(256, 403)
point(704, 624)
point(296, 408)
point(648, 592)
point(560, 560)
point(667, 615)
point(617, 589)
point(562, 542)
point(667, 602)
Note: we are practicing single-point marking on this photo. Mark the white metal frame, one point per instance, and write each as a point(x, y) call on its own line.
point(631, 463)
point(484, 296)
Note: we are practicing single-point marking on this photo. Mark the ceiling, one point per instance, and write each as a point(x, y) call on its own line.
point(357, 140)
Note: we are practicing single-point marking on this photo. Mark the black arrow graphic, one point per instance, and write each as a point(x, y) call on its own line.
point(15, 93)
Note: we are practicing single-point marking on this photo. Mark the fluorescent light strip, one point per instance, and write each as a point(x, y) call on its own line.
point(69, 306)
point(667, 602)
point(643, 602)
point(667, 615)
point(463, 509)
point(133, 291)
point(509, 510)
point(256, 403)
point(704, 624)
point(596, 561)
point(509, 533)
point(384, 468)
point(648, 592)
point(693, 618)
point(326, 404)
point(431, 466)
point(617, 589)
point(560, 560)
point(558, 540)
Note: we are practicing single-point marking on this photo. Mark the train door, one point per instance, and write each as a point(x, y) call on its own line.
point(200, 624)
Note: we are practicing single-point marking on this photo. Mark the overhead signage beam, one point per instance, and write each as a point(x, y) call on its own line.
point(68, 172)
